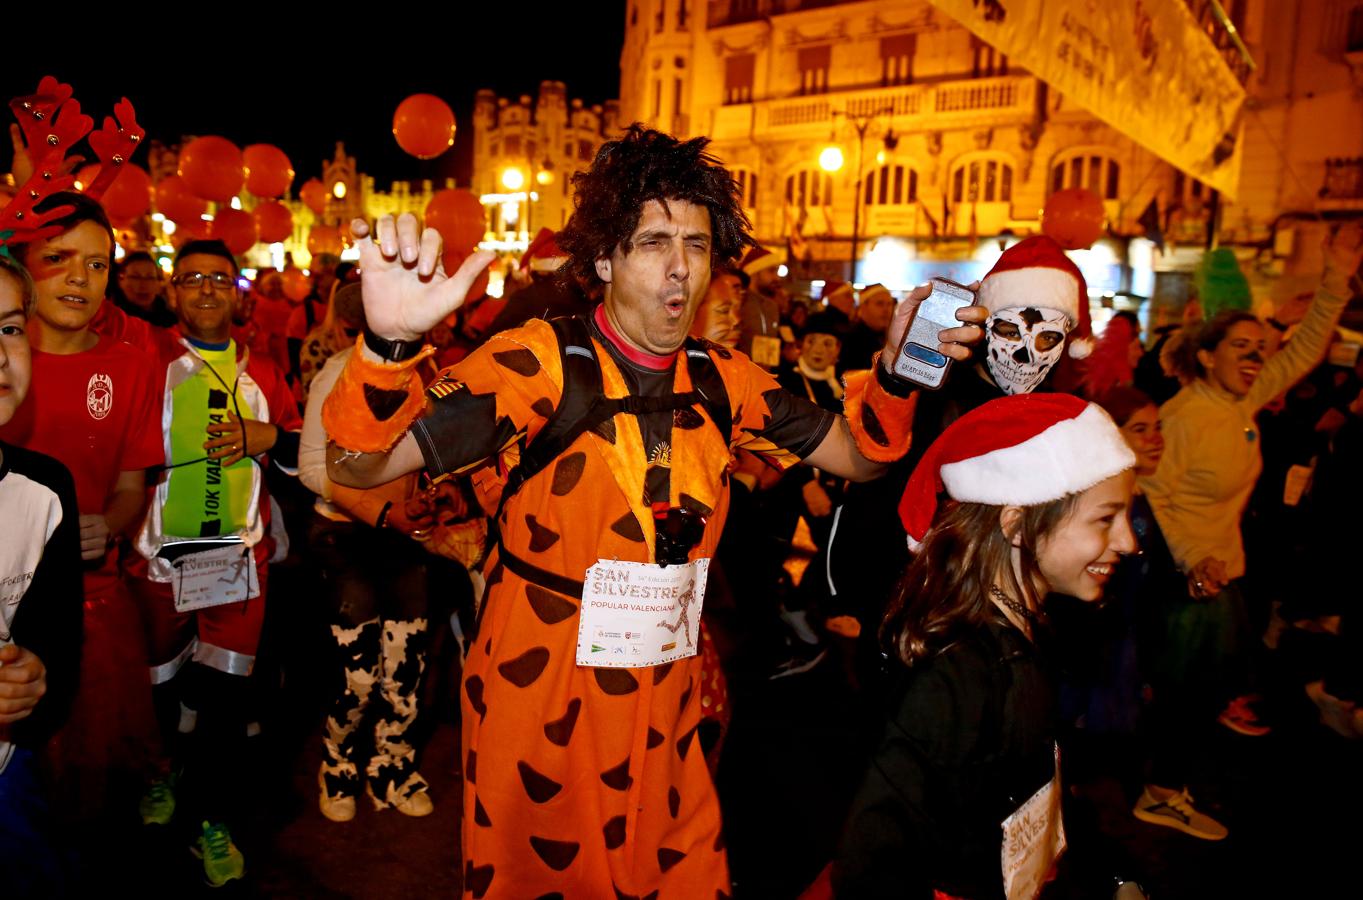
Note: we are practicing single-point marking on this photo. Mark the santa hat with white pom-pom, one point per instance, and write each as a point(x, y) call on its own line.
point(1035, 272)
point(1022, 450)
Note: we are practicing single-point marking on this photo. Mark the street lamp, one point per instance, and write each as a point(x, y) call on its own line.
point(831, 160)
point(512, 178)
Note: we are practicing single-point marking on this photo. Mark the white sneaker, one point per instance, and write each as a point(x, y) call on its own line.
point(1177, 811)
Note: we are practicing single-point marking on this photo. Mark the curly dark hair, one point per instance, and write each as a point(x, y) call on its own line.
point(648, 165)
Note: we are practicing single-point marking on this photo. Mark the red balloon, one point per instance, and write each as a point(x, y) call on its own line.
point(297, 286)
point(194, 230)
point(274, 221)
point(268, 171)
point(128, 197)
point(424, 126)
point(212, 168)
point(175, 202)
point(1074, 218)
point(458, 216)
point(322, 239)
point(235, 228)
point(314, 194)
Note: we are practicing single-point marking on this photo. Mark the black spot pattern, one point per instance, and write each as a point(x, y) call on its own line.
point(538, 787)
point(627, 526)
point(471, 767)
point(524, 669)
point(686, 696)
point(684, 744)
point(557, 855)
point(719, 842)
point(687, 419)
point(673, 801)
point(567, 472)
point(522, 361)
point(614, 832)
point(870, 422)
point(655, 737)
point(541, 538)
point(480, 816)
point(548, 606)
point(667, 858)
point(618, 778)
point(616, 682)
point(661, 672)
point(477, 879)
point(383, 403)
point(474, 688)
point(543, 407)
point(560, 731)
point(606, 431)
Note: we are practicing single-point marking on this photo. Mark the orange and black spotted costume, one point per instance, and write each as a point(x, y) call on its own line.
point(590, 782)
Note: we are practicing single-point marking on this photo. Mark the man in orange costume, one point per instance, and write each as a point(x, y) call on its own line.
point(581, 780)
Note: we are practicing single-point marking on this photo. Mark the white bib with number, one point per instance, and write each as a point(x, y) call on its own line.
point(640, 614)
point(1033, 839)
point(215, 578)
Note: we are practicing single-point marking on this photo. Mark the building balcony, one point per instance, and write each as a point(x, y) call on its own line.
point(915, 107)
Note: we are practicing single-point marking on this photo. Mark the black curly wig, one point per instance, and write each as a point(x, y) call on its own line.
point(648, 165)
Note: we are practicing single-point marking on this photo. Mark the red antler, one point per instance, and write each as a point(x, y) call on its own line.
point(114, 145)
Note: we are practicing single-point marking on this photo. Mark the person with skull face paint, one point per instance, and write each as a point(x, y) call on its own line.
point(1037, 300)
point(1212, 459)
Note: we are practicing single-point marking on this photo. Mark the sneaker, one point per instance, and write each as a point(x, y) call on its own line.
point(338, 808)
point(222, 860)
point(1238, 717)
point(803, 658)
point(157, 805)
point(1177, 811)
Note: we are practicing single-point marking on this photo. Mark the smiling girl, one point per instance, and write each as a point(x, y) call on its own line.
point(1037, 492)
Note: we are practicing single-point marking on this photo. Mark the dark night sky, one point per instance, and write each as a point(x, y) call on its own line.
point(304, 87)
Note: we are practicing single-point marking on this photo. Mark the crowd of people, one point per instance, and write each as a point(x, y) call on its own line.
point(1074, 535)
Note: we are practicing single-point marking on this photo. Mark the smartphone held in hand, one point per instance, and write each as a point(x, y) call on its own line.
point(919, 360)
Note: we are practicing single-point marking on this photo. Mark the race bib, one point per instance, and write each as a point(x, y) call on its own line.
point(640, 614)
point(215, 577)
point(766, 351)
point(1033, 839)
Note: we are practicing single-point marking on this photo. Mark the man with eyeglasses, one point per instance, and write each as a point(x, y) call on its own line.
point(206, 545)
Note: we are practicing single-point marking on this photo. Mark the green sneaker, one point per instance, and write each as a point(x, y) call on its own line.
point(222, 860)
point(157, 805)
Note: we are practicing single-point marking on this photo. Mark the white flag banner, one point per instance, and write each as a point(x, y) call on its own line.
point(1142, 66)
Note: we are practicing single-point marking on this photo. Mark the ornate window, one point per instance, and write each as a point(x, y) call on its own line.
point(1092, 169)
point(810, 187)
point(985, 178)
point(890, 185)
point(746, 179)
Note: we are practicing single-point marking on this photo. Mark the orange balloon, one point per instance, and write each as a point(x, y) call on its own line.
point(322, 239)
point(1073, 218)
point(274, 221)
point(297, 286)
point(458, 216)
point(314, 194)
point(268, 170)
point(235, 228)
point(194, 230)
point(175, 202)
point(212, 168)
point(128, 197)
point(424, 126)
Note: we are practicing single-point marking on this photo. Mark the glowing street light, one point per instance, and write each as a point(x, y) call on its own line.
point(338, 190)
point(513, 179)
point(831, 159)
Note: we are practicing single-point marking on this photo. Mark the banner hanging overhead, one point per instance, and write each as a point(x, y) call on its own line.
point(1142, 66)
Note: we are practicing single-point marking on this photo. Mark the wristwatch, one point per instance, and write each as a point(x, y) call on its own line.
point(392, 351)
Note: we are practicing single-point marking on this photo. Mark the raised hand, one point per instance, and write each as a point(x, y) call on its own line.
point(958, 343)
point(406, 289)
point(1344, 249)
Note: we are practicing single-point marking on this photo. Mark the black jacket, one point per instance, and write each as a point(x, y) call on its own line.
point(968, 738)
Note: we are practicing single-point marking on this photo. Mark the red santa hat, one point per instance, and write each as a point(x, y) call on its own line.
point(1035, 272)
point(759, 258)
point(832, 289)
point(1021, 450)
point(543, 254)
